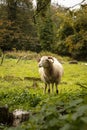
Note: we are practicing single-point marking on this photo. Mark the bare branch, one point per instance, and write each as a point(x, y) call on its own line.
point(77, 4)
point(82, 86)
point(39, 10)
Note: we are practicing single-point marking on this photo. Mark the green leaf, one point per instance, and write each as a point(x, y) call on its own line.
point(75, 102)
point(84, 119)
point(66, 127)
point(53, 122)
point(80, 111)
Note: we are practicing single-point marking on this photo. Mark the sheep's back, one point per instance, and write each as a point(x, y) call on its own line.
point(58, 68)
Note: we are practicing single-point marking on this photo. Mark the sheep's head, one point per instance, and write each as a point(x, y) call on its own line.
point(45, 61)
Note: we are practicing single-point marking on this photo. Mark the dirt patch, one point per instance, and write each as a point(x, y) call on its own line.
point(10, 78)
point(32, 78)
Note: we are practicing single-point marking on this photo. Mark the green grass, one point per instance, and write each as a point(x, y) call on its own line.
point(19, 93)
point(22, 69)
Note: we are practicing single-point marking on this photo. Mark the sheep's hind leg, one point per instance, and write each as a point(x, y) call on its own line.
point(57, 88)
point(45, 88)
point(48, 88)
point(52, 87)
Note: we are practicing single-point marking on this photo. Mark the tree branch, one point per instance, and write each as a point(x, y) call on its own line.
point(39, 10)
point(77, 4)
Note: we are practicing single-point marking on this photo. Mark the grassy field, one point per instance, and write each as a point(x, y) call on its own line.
point(20, 88)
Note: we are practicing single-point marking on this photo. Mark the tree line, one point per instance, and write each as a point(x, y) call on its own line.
point(45, 27)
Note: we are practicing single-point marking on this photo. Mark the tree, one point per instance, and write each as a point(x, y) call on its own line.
point(45, 24)
point(72, 33)
point(17, 29)
point(65, 30)
point(47, 35)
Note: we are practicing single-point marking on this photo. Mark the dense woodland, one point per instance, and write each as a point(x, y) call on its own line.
point(45, 27)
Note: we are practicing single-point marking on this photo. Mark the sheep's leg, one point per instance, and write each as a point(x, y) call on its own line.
point(52, 87)
point(48, 88)
point(56, 88)
point(45, 88)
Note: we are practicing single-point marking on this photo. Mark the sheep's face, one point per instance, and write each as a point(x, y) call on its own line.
point(45, 62)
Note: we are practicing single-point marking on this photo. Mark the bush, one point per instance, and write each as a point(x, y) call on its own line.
point(65, 30)
point(77, 46)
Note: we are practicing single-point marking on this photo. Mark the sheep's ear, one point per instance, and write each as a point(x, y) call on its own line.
point(38, 59)
point(51, 58)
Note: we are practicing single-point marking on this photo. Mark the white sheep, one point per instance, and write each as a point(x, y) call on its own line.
point(51, 71)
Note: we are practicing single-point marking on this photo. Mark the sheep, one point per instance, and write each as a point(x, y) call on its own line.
point(51, 72)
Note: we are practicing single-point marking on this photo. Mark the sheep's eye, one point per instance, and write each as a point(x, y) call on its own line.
point(47, 59)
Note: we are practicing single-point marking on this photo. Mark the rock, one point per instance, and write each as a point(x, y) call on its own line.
point(85, 64)
point(14, 118)
point(19, 116)
point(73, 62)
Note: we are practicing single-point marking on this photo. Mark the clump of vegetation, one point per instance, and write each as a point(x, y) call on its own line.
point(17, 98)
point(63, 113)
point(26, 55)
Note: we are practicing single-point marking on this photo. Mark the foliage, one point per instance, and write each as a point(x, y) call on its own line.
point(47, 35)
point(80, 23)
point(17, 98)
point(26, 55)
point(72, 34)
point(17, 29)
point(77, 45)
point(60, 115)
point(42, 7)
point(65, 30)
point(46, 27)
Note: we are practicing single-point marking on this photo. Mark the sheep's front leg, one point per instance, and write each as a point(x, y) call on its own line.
point(48, 88)
point(45, 88)
point(56, 88)
point(52, 87)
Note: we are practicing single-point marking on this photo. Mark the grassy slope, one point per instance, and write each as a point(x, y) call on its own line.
point(20, 93)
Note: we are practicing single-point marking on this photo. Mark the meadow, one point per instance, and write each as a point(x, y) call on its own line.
point(21, 88)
